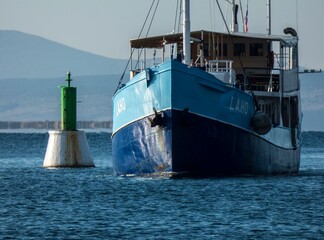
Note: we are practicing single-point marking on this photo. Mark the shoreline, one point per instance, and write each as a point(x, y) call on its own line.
point(46, 125)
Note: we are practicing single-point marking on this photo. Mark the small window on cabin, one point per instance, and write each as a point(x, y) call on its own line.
point(221, 51)
point(239, 50)
point(256, 49)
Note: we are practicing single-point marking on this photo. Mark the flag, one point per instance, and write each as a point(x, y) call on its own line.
point(246, 28)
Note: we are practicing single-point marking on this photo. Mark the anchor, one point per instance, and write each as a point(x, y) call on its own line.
point(158, 119)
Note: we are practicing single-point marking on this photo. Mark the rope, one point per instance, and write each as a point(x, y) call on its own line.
point(130, 57)
point(229, 33)
point(242, 15)
point(175, 18)
point(212, 15)
point(179, 21)
point(148, 30)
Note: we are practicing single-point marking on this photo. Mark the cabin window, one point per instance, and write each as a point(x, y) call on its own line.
point(206, 49)
point(294, 112)
point(239, 50)
point(293, 59)
point(256, 49)
point(222, 50)
point(288, 57)
point(285, 112)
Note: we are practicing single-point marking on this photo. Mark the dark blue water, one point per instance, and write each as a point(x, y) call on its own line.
point(91, 203)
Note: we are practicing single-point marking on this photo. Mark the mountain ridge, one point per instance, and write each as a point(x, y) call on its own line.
point(32, 68)
point(24, 55)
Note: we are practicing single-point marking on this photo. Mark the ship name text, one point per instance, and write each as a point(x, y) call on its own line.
point(239, 105)
point(120, 106)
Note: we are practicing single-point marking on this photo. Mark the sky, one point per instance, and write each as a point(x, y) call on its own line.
point(104, 27)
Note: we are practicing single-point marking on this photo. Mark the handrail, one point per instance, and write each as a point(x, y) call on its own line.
point(219, 65)
point(222, 66)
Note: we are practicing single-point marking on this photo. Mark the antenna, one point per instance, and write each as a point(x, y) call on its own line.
point(234, 26)
point(269, 17)
point(186, 32)
point(68, 78)
point(297, 15)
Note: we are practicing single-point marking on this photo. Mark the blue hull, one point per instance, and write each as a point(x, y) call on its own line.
point(213, 149)
point(184, 121)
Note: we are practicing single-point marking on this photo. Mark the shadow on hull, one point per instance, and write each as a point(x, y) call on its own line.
point(185, 144)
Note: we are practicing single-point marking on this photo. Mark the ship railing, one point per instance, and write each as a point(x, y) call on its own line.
point(222, 69)
point(140, 66)
point(260, 79)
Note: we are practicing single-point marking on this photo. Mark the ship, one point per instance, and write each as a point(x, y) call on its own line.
point(214, 104)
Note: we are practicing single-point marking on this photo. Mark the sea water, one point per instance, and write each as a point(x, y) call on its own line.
point(92, 203)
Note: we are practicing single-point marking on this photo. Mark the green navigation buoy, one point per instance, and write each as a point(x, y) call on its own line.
point(68, 106)
point(68, 147)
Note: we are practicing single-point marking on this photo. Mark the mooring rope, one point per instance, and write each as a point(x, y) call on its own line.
point(130, 57)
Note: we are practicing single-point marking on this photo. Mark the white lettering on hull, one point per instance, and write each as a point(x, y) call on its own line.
point(120, 106)
point(239, 105)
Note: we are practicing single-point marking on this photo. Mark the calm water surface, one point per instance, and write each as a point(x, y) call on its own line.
point(91, 203)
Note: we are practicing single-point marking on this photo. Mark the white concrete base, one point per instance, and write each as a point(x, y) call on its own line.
point(67, 149)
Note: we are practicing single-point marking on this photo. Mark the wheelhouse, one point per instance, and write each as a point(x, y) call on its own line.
point(265, 66)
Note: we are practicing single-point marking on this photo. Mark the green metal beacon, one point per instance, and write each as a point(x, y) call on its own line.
point(68, 147)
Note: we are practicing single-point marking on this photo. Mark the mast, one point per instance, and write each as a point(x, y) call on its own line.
point(269, 17)
point(234, 26)
point(186, 32)
point(270, 48)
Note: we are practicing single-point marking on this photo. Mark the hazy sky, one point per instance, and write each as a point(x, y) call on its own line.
point(104, 27)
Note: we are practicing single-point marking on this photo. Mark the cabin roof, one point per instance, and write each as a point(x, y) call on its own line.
point(160, 41)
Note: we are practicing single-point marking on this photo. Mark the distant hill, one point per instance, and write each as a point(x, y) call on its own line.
point(32, 68)
point(39, 99)
point(28, 56)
